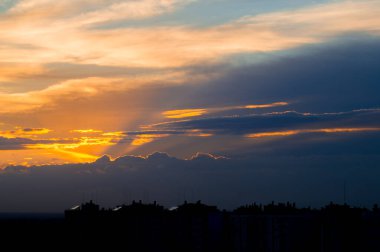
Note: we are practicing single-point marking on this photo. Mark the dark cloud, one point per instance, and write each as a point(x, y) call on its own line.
point(227, 182)
point(339, 76)
point(279, 121)
point(33, 129)
point(155, 132)
point(14, 143)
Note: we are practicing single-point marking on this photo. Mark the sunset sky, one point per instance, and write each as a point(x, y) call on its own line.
point(285, 83)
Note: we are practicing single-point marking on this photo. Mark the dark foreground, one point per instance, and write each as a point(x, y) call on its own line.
point(198, 227)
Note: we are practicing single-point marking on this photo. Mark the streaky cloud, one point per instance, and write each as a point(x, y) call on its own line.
point(303, 131)
point(185, 113)
point(286, 120)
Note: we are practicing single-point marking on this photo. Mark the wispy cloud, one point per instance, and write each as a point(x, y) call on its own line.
point(277, 123)
point(82, 12)
point(177, 45)
point(271, 105)
point(86, 131)
point(24, 132)
point(302, 131)
point(76, 88)
point(146, 138)
point(16, 71)
point(37, 33)
point(185, 113)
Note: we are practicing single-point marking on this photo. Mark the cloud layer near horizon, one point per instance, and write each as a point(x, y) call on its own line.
point(227, 183)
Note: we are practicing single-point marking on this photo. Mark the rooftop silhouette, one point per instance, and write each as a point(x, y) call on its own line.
point(195, 226)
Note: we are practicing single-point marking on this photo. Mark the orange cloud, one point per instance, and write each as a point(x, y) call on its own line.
point(295, 132)
point(69, 41)
point(14, 71)
point(146, 138)
point(58, 32)
point(274, 134)
point(30, 157)
point(117, 134)
point(85, 131)
point(73, 143)
point(76, 88)
point(271, 105)
point(198, 133)
point(24, 132)
point(129, 10)
point(84, 12)
point(184, 113)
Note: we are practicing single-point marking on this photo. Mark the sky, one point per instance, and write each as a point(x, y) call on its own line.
point(226, 101)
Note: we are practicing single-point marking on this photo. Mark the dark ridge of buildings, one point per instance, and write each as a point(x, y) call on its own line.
point(195, 226)
point(280, 227)
point(272, 208)
point(195, 208)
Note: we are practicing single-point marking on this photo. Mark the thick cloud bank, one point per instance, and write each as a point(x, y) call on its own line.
point(226, 182)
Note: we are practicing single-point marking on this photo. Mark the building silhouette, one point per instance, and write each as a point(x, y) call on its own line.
point(280, 227)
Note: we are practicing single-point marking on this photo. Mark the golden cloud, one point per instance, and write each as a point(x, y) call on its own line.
point(295, 132)
point(271, 105)
point(184, 113)
point(85, 131)
point(24, 132)
point(146, 138)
